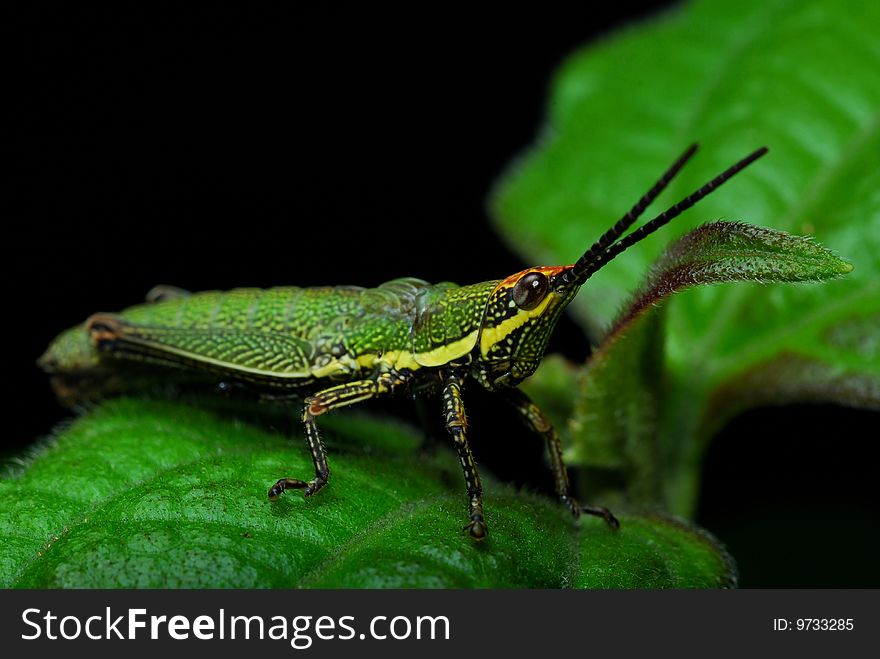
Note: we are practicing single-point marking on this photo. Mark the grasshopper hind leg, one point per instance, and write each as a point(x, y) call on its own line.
point(320, 403)
point(319, 459)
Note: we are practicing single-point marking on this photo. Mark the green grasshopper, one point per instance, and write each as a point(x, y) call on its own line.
point(335, 346)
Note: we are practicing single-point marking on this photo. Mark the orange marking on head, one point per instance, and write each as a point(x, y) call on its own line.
point(548, 270)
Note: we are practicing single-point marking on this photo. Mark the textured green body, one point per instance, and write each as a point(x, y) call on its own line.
point(290, 336)
point(338, 346)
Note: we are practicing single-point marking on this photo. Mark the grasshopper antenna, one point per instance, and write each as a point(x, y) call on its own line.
point(635, 212)
point(631, 216)
point(594, 260)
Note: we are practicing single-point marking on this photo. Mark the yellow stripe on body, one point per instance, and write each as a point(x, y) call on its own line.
point(447, 353)
point(402, 359)
point(391, 360)
point(494, 335)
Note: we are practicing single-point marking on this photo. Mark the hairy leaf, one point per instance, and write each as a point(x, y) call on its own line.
point(799, 78)
point(154, 494)
point(627, 366)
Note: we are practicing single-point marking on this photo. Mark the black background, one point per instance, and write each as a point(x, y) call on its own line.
point(218, 149)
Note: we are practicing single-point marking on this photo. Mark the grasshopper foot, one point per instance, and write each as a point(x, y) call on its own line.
point(477, 527)
point(283, 484)
point(577, 510)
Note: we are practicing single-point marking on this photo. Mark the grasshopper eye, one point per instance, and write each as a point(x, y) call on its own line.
point(528, 292)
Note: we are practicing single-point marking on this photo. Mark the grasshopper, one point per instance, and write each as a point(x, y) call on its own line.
point(332, 347)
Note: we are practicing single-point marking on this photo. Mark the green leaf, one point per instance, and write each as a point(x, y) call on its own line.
point(626, 369)
point(145, 493)
point(732, 251)
point(799, 78)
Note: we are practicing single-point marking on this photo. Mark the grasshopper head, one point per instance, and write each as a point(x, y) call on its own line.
point(523, 309)
point(519, 320)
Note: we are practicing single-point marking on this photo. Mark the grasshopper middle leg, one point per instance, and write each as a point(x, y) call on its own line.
point(456, 423)
point(534, 418)
point(320, 403)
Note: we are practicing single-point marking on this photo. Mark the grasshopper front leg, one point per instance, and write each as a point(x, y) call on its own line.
point(456, 423)
point(535, 420)
point(320, 403)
